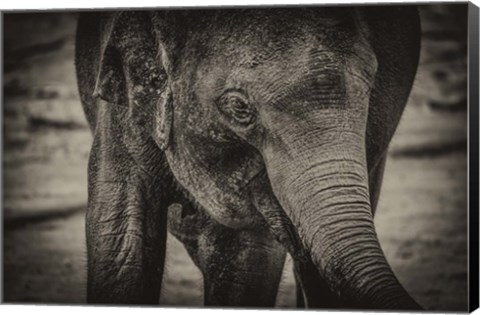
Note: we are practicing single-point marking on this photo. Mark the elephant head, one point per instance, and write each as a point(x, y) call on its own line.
point(262, 115)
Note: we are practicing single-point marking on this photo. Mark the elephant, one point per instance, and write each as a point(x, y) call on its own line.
point(268, 126)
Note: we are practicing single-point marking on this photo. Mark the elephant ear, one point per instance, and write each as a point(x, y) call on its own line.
point(131, 73)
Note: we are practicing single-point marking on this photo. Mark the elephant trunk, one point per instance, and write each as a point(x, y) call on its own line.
point(323, 188)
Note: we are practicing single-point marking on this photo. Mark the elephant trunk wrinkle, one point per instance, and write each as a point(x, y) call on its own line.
point(343, 243)
point(332, 212)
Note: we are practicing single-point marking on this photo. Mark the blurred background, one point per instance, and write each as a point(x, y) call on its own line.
point(421, 218)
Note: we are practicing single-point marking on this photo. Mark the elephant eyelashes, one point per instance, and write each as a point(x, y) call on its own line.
point(235, 106)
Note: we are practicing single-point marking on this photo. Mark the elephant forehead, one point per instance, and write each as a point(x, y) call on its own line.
point(268, 22)
point(263, 33)
point(303, 73)
point(270, 63)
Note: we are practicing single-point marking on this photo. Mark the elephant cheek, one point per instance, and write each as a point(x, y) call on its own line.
point(227, 199)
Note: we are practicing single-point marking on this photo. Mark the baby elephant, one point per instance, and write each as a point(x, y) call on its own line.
point(269, 127)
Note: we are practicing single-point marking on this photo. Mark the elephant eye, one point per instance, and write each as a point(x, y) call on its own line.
point(235, 105)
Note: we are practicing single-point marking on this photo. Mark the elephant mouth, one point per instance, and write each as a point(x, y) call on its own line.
point(275, 217)
point(260, 173)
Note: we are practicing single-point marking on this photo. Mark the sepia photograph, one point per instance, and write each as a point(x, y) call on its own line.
point(266, 157)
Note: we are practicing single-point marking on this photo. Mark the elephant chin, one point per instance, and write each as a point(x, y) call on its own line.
point(327, 200)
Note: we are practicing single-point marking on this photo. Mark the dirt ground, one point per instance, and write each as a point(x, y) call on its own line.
point(421, 218)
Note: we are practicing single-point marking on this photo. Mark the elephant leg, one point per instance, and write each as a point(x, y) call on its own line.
point(240, 268)
point(312, 289)
point(125, 221)
point(300, 298)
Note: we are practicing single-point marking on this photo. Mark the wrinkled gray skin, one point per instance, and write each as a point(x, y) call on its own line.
point(270, 128)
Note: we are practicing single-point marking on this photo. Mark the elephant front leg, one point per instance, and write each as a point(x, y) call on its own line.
point(126, 237)
point(125, 226)
point(240, 268)
point(312, 289)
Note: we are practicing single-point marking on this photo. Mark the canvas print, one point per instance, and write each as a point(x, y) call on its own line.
point(251, 157)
